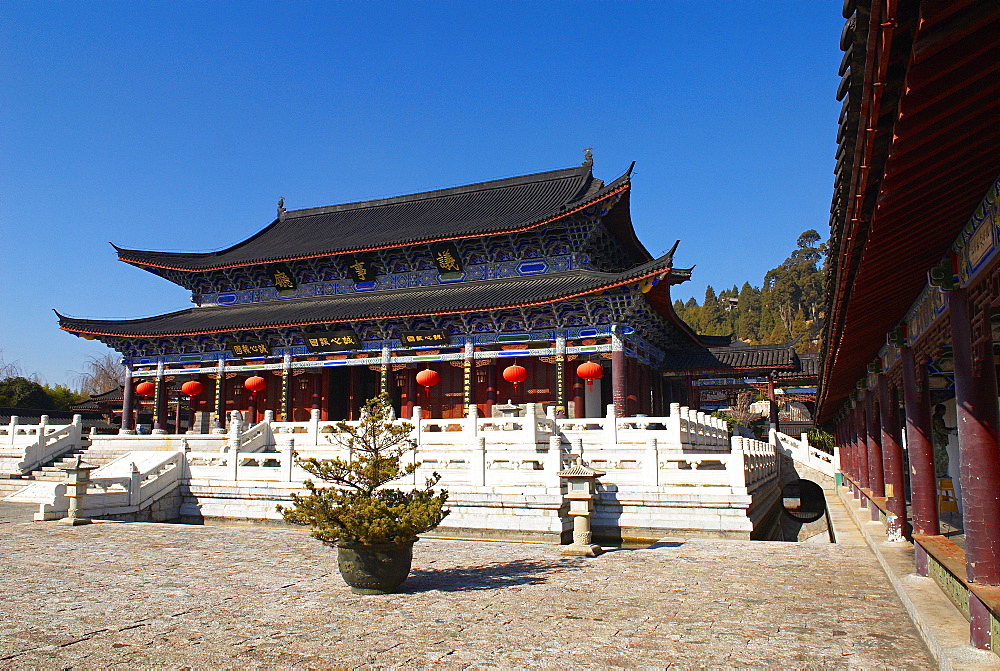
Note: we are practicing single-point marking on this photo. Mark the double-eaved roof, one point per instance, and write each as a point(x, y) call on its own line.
point(459, 297)
point(487, 208)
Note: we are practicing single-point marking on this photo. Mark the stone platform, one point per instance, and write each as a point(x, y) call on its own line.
point(155, 595)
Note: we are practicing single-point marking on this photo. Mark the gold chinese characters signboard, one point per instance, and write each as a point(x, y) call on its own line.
point(429, 337)
point(360, 270)
point(332, 341)
point(282, 277)
point(252, 348)
point(446, 258)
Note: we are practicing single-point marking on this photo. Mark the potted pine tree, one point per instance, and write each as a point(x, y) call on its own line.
point(373, 527)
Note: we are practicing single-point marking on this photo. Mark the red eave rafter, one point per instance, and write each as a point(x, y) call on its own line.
point(314, 322)
point(143, 264)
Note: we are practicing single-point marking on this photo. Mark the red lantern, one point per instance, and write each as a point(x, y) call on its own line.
point(145, 389)
point(191, 388)
point(427, 378)
point(515, 374)
point(255, 384)
point(590, 371)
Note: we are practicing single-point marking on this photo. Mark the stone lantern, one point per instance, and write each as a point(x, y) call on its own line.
point(77, 482)
point(581, 492)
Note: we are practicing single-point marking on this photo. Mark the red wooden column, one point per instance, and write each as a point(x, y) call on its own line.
point(923, 484)
point(631, 381)
point(861, 442)
point(772, 402)
point(411, 393)
point(491, 387)
point(843, 440)
point(324, 382)
point(976, 402)
point(892, 456)
point(128, 400)
point(317, 390)
point(579, 402)
point(876, 473)
point(860, 460)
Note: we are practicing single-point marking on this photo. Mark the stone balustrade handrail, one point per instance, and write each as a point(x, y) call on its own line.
point(38, 444)
point(800, 451)
point(118, 488)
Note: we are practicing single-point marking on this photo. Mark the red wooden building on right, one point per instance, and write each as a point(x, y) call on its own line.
point(913, 283)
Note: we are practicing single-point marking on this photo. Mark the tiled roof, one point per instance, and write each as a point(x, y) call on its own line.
point(98, 401)
point(459, 297)
point(740, 357)
point(917, 152)
point(500, 206)
point(33, 416)
point(808, 367)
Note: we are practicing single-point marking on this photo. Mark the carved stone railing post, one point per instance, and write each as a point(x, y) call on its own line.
point(737, 463)
point(286, 445)
point(553, 461)
point(43, 424)
point(315, 417)
point(477, 463)
point(611, 426)
point(651, 464)
point(417, 420)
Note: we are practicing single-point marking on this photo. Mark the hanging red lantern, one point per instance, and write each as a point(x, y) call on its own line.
point(427, 378)
point(255, 384)
point(191, 388)
point(590, 371)
point(515, 374)
point(145, 389)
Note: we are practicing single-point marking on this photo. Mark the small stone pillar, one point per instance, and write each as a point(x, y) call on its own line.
point(580, 482)
point(77, 482)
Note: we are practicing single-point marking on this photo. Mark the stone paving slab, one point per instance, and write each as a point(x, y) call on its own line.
point(115, 595)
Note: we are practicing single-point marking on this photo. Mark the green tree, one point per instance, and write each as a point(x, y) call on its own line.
point(20, 392)
point(788, 305)
point(358, 508)
point(62, 396)
point(713, 316)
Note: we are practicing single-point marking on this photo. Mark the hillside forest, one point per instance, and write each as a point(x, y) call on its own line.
point(788, 306)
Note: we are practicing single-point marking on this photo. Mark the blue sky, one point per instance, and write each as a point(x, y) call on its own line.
point(177, 126)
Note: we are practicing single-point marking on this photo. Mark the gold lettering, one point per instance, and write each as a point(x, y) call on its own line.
point(446, 261)
point(360, 270)
point(282, 281)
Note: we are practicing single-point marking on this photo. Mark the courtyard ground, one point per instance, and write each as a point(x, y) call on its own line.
point(120, 595)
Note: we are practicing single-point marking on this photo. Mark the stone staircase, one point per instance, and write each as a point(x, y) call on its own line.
point(11, 482)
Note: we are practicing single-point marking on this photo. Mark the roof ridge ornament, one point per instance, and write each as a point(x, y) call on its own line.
point(670, 255)
point(281, 208)
point(588, 157)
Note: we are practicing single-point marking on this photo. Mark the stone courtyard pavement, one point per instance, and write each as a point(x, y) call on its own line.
point(115, 595)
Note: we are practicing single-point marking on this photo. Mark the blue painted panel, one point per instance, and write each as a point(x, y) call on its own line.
point(532, 267)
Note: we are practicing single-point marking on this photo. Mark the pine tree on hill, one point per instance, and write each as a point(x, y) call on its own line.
point(787, 306)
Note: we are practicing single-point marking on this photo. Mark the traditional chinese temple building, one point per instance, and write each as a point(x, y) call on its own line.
point(475, 295)
point(913, 284)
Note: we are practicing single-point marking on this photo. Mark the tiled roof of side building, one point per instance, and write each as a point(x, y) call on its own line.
point(500, 206)
point(438, 299)
point(738, 357)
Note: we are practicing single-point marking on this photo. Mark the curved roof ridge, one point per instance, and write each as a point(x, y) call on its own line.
point(498, 207)
point(437, 193)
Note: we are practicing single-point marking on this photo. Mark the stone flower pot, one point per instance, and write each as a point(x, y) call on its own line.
point(375, 569)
